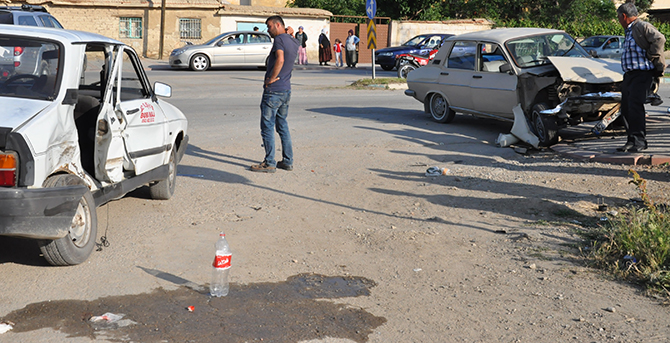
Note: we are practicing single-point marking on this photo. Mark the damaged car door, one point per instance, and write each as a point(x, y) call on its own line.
point(493, 90)
point(142, 120)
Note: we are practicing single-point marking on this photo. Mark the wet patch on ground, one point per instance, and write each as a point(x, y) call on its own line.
point(289, 311)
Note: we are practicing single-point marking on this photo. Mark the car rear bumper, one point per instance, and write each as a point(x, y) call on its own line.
point(43, 213)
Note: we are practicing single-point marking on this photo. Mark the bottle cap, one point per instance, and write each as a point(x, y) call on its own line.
point(222, 234)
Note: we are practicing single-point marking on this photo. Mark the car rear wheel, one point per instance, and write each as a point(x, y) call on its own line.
point(404, 70)
point(387, 67)
point(546, 126)
point(77, 246)
point(199, 62)
point(439, 109)
point(164, 189)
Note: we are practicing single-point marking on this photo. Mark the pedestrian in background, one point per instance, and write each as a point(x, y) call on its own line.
point(324, 48)
point(350, 47)
point(642, 60)
point(276, 97)
point(337, 47)
point(301, 36)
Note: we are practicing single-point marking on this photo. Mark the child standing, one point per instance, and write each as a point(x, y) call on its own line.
point(338, 52)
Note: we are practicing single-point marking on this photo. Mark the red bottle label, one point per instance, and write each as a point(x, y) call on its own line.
point(222, 261)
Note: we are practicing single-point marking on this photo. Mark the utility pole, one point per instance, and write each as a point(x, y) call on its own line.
point(162, 30)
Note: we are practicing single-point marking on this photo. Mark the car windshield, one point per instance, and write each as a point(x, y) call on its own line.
point(215, 39)
point(415, 41)
point(29, 67)
point(533, 51)
point(593, 42)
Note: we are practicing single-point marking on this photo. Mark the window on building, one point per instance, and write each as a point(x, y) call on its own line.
point(130, 27)
point(189, 28)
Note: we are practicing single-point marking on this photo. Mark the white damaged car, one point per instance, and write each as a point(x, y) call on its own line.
point(487, 73)
point(85, 129)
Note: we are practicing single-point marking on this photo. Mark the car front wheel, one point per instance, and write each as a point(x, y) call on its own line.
point(439, 109)
point(77, 246)
point(199, 62)
point(404, 70)
point(546, 126)
point(387, 67)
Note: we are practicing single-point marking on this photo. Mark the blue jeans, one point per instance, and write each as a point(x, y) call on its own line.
point(274, 110)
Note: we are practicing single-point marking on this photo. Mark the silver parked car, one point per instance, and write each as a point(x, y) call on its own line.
point(604, 46)
point(237, 48)
point(487, 73)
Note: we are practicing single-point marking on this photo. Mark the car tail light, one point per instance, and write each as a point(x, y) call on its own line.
point(18, 50)
point(8, 168)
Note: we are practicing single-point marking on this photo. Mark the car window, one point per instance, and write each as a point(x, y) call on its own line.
point(6, 18)
point(613, 43)
point(27, 20)
point(55, 22)
point(44, 19)
point(491, 57)
point(132, 86)
point(233, 39)
point(462, 55)
point(257, 38)
point(433, 42)
point(30, 67)
point(94, 74)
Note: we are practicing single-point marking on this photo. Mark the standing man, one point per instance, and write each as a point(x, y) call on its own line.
point(276, 96)
point(642, 59)
point(301, 36)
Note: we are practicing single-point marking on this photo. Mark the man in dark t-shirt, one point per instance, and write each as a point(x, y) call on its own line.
point(276, 96)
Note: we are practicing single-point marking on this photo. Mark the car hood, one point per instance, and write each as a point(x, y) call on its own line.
point(588, 70)
point(17, 111)
point(398, 48)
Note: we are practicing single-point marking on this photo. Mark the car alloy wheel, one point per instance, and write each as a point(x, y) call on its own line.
point(199, 62)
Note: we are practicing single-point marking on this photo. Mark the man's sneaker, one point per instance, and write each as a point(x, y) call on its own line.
point(263, 168)
point(282, 165)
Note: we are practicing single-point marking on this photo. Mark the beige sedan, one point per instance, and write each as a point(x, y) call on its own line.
point(487, 73)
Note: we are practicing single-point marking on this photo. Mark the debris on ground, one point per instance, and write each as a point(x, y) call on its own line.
point(436, 171)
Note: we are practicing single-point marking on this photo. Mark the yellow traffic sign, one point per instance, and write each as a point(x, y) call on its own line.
point(372, 35)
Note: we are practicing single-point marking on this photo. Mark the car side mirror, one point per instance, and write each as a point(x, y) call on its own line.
point(162, 89)
point(219, 43)
point(505, 68)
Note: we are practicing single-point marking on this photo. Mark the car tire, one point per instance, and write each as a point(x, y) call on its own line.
point(199, 62)
point(405, 69)
point(546, 126)
point(77, 246)
point(387, 67)
point(164, 189)
point(439, 109)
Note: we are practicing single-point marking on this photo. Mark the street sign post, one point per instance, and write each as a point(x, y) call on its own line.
point(371, 10)
point(372, 42)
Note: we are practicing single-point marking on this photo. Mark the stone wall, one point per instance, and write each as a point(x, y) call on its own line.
point(402, 31)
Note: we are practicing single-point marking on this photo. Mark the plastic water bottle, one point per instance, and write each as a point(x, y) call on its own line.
point(221, 266)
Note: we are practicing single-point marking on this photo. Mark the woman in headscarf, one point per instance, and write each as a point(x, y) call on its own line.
point(350, 48)
point(324, 48)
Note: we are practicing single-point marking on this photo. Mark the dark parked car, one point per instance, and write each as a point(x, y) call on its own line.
point(419, 45)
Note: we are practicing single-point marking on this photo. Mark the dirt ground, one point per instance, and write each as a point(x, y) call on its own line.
point(489, 252)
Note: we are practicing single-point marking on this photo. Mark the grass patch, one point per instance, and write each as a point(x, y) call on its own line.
point(377, 81)
point(635, 244)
